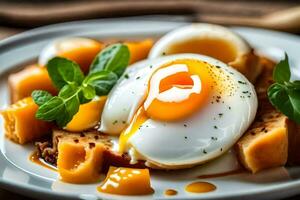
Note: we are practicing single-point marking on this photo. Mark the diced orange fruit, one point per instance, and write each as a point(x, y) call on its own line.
point(126, 181)
point(79, 50)
point(20, 123)
point(139, 50)
point(88, 115)
point(79, 163)
point(31, 78)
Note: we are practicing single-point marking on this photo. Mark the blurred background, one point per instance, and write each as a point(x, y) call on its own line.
point(20, 15)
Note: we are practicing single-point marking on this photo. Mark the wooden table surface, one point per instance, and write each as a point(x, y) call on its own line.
point(9, 24)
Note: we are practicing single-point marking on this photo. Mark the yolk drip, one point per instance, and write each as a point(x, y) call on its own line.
point(181, 100)
point(216, 48)
point(139, 118)
point(126, 181)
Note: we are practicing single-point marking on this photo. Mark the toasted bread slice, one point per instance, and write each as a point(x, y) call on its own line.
point(265, 144)
point(294, 150)
point(80, 157)
point(111, 157)
point(48, 150)
point(249, 65)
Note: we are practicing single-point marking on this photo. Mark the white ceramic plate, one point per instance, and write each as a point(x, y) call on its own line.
point(20, 175)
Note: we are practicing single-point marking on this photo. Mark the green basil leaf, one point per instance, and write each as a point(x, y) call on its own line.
point(102, 81)
point(285, 100)
point(69, 94)
point(82, 98)
point(68, 91)
point(40, 97)
point(89, 92)
point(51, 109)
point(282, 71)
point(114, 58)
point(63, 71)
point(61, 108)
point(294, 96)
point(64, 118)
point(72, 106)
point(294, 85)
point(66, 75)
point(71, 89)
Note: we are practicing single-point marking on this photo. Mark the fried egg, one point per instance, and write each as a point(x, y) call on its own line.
point(212, 40)
point(179, 110)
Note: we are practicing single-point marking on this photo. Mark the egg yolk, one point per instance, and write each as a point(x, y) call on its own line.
point(178, 89)
point(126, 181)
point(194, 81)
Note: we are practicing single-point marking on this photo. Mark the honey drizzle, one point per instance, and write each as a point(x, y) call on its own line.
point(170, 192)
point(200, 187)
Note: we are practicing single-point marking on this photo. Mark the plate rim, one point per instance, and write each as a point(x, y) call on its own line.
point(28, 36)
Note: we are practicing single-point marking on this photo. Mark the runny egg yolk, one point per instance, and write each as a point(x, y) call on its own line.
point(193, 84)
point(178, 89)
point(126, 181)
point(139, 118)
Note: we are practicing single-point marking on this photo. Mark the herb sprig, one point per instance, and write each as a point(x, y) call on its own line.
point(75, 88)
point(284, 94)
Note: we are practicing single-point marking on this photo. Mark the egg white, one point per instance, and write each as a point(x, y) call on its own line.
point(126, 97)
point(199, 31)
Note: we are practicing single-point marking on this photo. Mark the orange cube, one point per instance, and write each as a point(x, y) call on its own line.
point(33, 77)
point(80, 50)
point(139, 50)
point(126, 181)
point(20, 123)
point(88, 115)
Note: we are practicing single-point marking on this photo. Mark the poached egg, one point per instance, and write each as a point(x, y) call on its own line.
point(179, 110)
